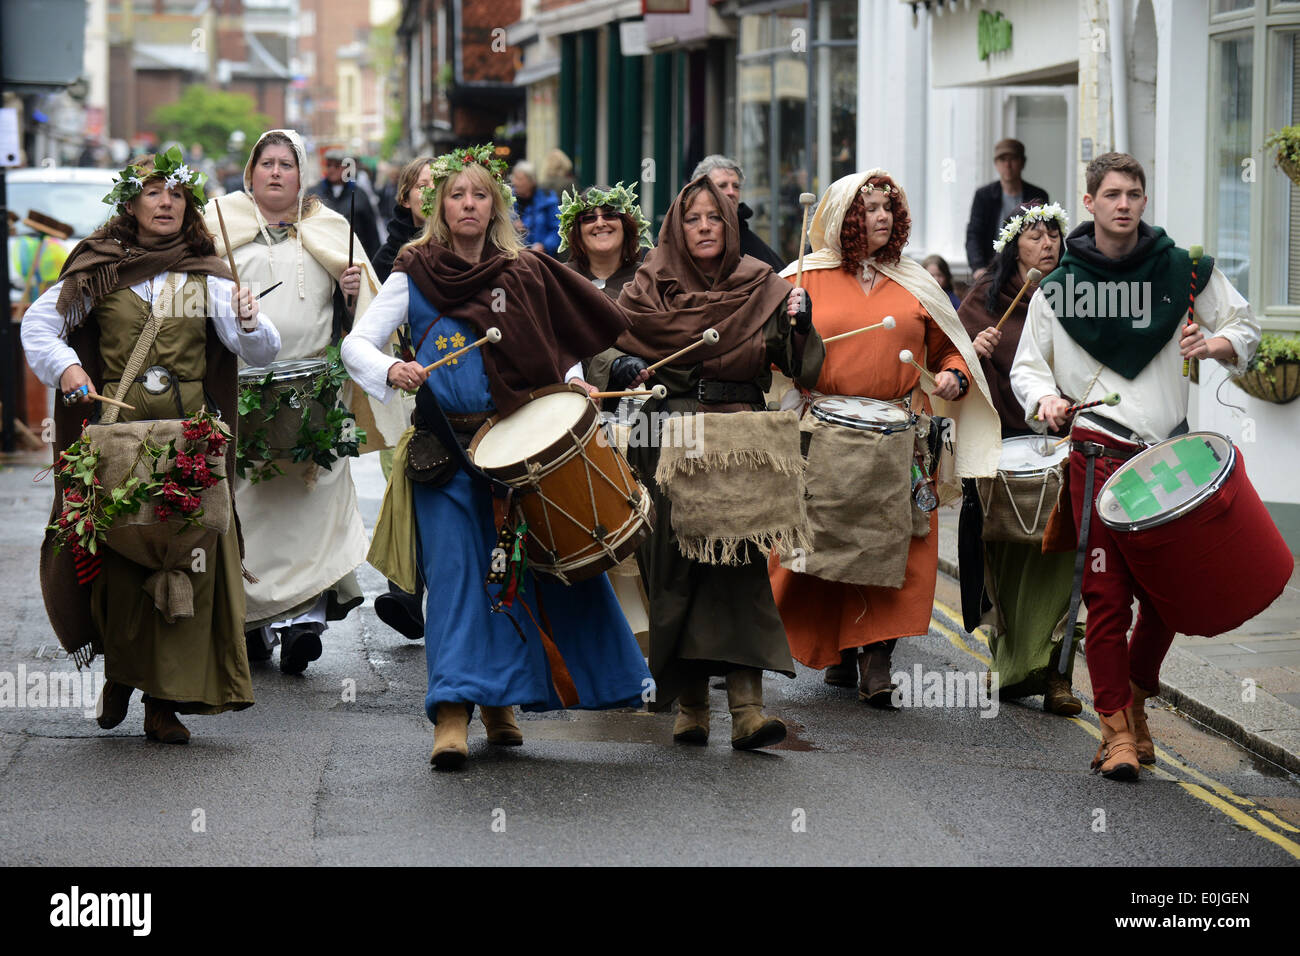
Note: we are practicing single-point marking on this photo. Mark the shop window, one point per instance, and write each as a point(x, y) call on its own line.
point(1282, 197)
point(1230, 97)
point(1232, 6)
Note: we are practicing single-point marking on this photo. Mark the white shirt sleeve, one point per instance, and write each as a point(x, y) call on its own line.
point(363, 350)
point(48, 353)
point(258, 347)
point(1031, 370)
point(1222, 311)
point(575, 372)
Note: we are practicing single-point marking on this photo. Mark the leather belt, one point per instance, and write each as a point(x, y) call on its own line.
point(715, 392)
point(471, 422)
point(1092, 449)
point(1127, 434)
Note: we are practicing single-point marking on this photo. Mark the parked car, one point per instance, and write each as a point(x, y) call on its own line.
point(69, 194)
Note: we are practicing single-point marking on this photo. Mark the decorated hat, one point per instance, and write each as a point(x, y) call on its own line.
point(170, 167)
point(621, 199)
point(452, 164)
point(1024, 220)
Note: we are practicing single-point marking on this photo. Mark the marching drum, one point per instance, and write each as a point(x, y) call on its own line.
point(288, 396)
point(585, 510)
point(1018, 501)
point(860, 453)
point(1195, 534)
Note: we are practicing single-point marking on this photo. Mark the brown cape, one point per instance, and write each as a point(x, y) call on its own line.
point(550, 317)
point(975, 316)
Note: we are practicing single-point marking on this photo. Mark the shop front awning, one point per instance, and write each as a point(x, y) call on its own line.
point(1001, 42)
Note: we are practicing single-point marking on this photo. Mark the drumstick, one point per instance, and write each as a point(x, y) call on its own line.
point(1033, 275)
point(1196, 253)
point(225, 238)
point(270, 288)
point(710, 337)
point(658, 391)
point(806, 200)
point(112, 401)
point(352, 211)
point(886, 323)
point(1111, 399)
point(493, 335)
point(906, 358)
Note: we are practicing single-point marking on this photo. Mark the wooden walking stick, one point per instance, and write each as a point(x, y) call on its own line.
point(493, 336)
point(1196, 253)
point(710, 337)
point(1033, 275)
point(806, 200)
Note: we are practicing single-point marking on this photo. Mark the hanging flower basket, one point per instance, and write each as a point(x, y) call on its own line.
point(1278, 384)
point(1286, 141)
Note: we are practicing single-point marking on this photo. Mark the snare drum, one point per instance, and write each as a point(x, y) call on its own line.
point(1196, 537)
point(1018, 501)
point(288, 391)
point(585, 510)
point(860, 453)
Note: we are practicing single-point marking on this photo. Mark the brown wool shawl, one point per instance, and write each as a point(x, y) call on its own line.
point(671, 301)
point(550, 317)
point(100, 265)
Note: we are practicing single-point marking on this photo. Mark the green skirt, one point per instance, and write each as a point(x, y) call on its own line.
point(1031, 594)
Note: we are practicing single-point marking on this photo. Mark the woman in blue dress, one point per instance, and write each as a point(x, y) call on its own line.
point(465, 273)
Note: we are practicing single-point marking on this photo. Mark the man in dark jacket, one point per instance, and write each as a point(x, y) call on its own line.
point(335, 193)
point(997, 201)
point(729, 177)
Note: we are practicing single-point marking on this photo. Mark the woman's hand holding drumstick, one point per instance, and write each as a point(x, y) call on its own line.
point(944, 385)
point(807, 200)
point(1032, 276)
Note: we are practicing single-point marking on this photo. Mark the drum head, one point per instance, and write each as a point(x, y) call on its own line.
point(531, 429)
point(1031, 454)
point(1166, 481)
point(866, 414)
point(286, 371)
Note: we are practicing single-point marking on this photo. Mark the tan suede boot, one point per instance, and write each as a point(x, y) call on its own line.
point(161, 723)
point(750, 727)
point(1117, 756)
point(1059, 698)
point(845, 673)
point(1146, 747)
point(692, 723)
point(450, 737)
point(502, 729)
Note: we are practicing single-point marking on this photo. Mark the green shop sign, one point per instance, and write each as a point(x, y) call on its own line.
point(994, 34)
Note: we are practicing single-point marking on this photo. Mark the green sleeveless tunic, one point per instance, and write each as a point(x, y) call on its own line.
point(201, 663)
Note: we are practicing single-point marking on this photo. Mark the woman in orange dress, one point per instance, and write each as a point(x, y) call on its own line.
point(857, 275)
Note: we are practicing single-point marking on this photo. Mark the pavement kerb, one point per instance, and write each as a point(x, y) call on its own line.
point(1207, 693)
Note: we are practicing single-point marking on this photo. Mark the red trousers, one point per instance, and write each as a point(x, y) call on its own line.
point(1108, 592)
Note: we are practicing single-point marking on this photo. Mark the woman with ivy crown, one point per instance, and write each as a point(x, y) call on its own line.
point(304, 534)
point(1029, 592)
point(156, 255)
point(468, 272)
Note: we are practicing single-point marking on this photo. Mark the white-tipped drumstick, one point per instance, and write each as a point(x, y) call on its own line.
point(806, 200)
point(1033, 275)
point(886, 323)
point(710, 337)
point(658, 391)
point(493, 336)
point(906, 358)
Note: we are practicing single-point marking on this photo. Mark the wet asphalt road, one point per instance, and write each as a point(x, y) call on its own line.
point(307, 777)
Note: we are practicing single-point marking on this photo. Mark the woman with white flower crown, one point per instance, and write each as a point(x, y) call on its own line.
point(303, 530)
point(1026, 592)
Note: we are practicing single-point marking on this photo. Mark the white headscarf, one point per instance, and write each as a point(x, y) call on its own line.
point(978, 428)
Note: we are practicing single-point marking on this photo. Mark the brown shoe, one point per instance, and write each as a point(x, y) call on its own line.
point(1059, 699)
point(1117, 756)
point(692, 723)
point(451, 737)
point(114, 701)
point(161, 724)
point(502, 730)
point(750, 727)
point(845, 673)
point(875, 686)
point(1146, 747)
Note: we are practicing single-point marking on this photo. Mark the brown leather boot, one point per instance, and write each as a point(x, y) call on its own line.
point(875, 686)
point(161, 723)
point(1117, 756)
point(692, 723)
point(750, 727)
point(1146, 747)
point(1059, 698)
point(451, 737)
point(845, 673)
point(114, 701)
point(502, 729)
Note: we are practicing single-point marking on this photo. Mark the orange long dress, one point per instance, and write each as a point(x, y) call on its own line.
point(824, 617)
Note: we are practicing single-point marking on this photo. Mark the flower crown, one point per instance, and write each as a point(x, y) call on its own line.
point(456, 162)
point(1028, 218)
point(872, 187)
point(621, 199)
point(170, 166)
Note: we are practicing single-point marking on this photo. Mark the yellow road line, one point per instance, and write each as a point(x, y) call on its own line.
point(1158, 771)
point(1247, 821)
point(1275, 821)
point(955, 639)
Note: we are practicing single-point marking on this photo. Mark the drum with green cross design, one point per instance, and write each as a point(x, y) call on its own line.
point(1165, 481)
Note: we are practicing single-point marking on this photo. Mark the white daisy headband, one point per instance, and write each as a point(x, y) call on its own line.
point(1026, 219)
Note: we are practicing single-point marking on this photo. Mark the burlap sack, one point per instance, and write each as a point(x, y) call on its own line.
point(165, 547)
point(859, 505)
point(733, 479)
point(1016, 508)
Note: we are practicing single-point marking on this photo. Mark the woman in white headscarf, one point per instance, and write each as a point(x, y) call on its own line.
point(302, 530)
point(857, 275)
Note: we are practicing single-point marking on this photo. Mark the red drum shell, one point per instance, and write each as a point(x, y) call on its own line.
point(1231, 561)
